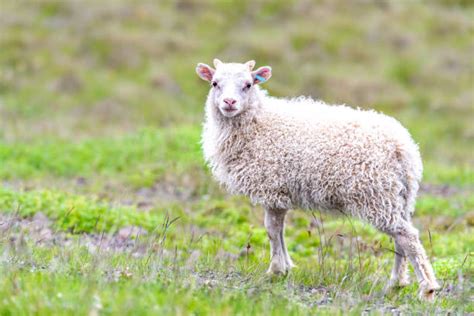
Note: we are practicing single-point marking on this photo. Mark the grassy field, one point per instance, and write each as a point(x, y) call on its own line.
point(106, 206)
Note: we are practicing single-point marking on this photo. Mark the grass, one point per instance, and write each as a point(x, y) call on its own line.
point(156, 150)
point(120, 284)
point(218, 250)
point(108, 208)
point(175, 274)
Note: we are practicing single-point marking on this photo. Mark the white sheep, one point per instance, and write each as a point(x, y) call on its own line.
point(301, 153)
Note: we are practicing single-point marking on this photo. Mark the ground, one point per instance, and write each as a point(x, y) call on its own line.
point(107, 207)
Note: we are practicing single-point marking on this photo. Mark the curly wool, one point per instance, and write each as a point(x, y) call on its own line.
point(302, 153)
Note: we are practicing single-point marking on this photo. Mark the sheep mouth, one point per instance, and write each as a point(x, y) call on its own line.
point(229, 112)
point(229, 109)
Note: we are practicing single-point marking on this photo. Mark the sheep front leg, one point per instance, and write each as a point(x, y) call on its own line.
point(280, 261)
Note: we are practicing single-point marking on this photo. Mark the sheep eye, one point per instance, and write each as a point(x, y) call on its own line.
point(214, 84)
point(247, 86)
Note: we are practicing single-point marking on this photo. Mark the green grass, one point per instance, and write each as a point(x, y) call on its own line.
point(100, 122)
point(224, 241)
point(147, 153)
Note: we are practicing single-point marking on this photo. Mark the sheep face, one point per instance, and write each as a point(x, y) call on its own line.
point(232, 84)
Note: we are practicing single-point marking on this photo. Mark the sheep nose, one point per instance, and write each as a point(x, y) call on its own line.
point(230, 101)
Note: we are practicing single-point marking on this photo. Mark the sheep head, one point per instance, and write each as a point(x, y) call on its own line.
point(232, 84)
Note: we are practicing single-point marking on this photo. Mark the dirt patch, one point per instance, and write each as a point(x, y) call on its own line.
point(160, 192)
point(444, 190)
point(39, 230)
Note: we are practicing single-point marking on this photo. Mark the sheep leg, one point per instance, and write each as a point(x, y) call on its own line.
point(400, 275)
point(280, 261)
point(407, 239)
point(289, 262)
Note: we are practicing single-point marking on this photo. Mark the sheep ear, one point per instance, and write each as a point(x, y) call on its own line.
point(262, 74)
point(205, 72)
point(217, 62)
point(250, 64)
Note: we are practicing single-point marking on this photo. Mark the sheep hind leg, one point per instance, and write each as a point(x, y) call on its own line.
point(407, 239)
point(400, 276)
point(280, 262)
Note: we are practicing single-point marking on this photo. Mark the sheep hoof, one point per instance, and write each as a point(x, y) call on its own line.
point(396, 283)
point(405, 281)
point(398, 280)
point(392, 283)
point(428, 291)
point(272, 273)
point(278, 268)
point(427, 295)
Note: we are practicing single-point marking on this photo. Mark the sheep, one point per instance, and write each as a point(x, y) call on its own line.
point(301, 153)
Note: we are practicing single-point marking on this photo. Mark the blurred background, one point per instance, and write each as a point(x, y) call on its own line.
point(100, 121)
point(79, 69)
